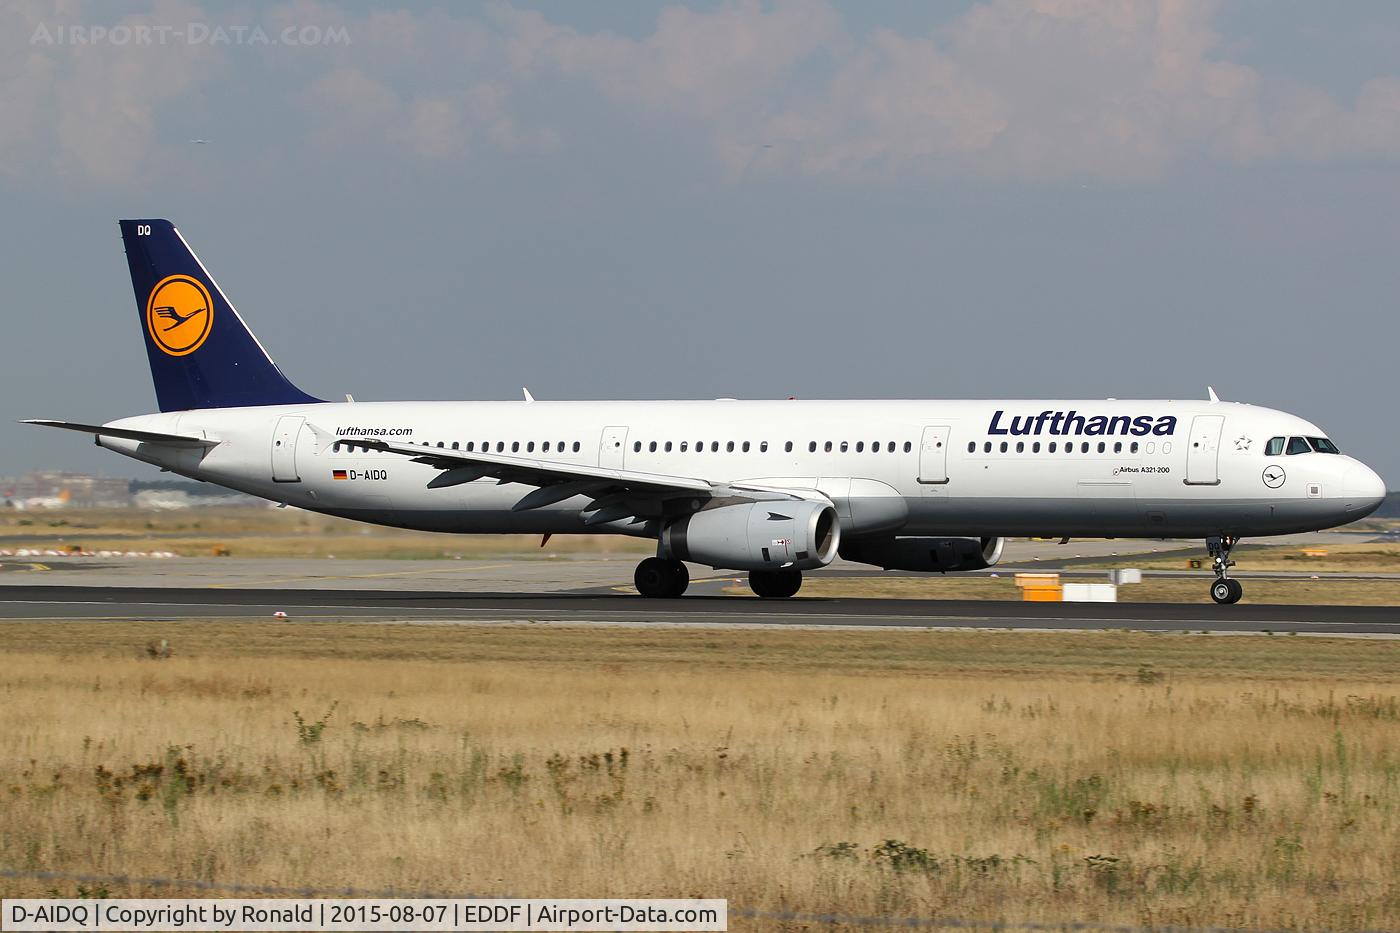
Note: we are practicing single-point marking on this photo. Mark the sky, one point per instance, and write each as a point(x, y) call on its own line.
point(903, 199)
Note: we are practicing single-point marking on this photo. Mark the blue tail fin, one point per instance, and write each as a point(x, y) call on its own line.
point(202, 354)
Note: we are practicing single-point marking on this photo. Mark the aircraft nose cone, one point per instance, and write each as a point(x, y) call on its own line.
point(1364, 488)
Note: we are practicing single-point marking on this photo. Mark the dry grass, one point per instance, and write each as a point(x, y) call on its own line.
point(1024, 776)
point(1299, 592)
point(268, 532)
point(1370, 557)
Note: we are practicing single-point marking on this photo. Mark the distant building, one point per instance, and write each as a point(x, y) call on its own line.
point(57, 489)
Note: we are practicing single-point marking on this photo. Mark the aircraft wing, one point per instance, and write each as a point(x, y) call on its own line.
point(145, 437)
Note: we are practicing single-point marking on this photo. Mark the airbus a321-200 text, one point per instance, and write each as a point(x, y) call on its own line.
point(774, 488)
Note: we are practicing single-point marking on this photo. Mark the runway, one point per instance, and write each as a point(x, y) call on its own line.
point(117, 603)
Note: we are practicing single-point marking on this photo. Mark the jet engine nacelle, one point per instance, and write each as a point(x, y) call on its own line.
point(780, 534)
point(925, 555)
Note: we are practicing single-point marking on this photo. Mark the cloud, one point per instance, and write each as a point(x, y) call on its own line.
point(1123, 90)
point(1026, 89)
point(86, 109)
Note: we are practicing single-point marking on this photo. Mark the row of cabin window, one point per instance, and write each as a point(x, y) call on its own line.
point(470, 446)
point(1052, 447)
point(746, 446)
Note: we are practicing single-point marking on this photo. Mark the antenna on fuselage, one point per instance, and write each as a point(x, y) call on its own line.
point(528, 396)
point(1213, 397)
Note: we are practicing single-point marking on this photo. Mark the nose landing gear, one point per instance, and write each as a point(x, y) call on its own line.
point(1225, 590)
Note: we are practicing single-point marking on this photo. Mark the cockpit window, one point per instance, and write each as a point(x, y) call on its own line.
point(1275, 446)
point(1323, 446)
point(1296, 445)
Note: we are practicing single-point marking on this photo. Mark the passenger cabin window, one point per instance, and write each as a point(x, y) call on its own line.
point(763, 447)
point(1020, 447)
point(787, 447)
point(1323, 446)
point(1275, 446)
point(1296, 445)
point(908, 446)
point(745, 447)
point(987, 447)
point(971, 447)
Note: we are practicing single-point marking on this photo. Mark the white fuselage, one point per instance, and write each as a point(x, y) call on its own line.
point(1132, 468)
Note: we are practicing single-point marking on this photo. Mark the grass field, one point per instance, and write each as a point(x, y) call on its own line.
point(1114, 777)
point(1299, 592)
point(1369, 557)
point(269, 532)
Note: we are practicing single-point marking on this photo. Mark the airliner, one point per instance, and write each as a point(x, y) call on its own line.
point(774, 488)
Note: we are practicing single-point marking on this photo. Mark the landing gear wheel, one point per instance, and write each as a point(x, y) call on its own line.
point(775, 584)
point(680, 578)
point(656, 578)
point(1226, 591)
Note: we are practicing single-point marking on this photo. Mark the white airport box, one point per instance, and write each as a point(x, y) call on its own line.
point(1089, 593)
point(1126, 575)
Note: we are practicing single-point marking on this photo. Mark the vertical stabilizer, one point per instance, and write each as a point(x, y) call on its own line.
point(202, 355)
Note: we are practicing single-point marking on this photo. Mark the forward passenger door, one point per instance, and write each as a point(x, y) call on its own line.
point(1203, 456)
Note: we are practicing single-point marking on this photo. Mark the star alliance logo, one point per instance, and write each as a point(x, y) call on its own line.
point(1242, 443)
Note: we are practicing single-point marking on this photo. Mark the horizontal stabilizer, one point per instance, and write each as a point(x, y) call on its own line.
point(145, 437)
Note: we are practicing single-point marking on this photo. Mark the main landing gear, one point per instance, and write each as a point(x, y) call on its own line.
point(1225, 589)
point(775, 584)
point(661, 579)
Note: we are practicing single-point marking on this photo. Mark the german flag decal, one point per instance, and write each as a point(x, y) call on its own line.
point(339, 474)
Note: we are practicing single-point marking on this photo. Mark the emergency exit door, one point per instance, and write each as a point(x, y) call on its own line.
point(1203, 454)
point(612, 447)
point(933, 455)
